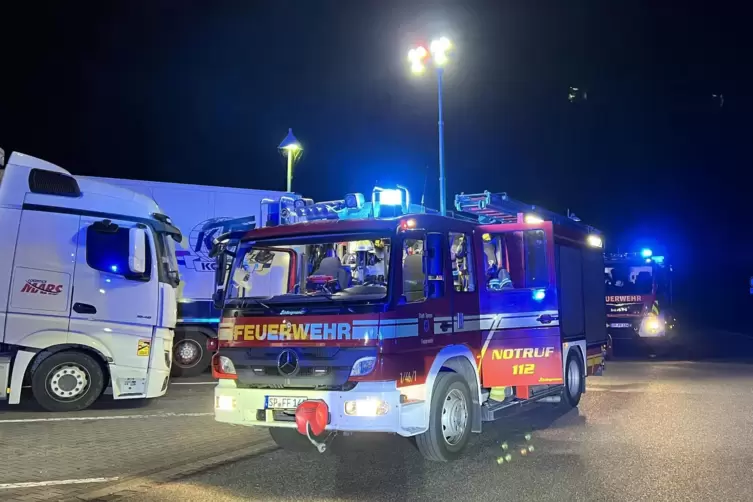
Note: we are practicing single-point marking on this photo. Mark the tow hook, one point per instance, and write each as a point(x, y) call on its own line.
point(311, 419)
point(321, 447)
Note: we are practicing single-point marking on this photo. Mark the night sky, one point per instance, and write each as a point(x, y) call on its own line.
point(171, 91)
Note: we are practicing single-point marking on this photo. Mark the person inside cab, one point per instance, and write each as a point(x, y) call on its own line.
point(497, 274)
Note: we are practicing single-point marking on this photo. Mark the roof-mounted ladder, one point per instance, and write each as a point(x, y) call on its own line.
point(500, 208)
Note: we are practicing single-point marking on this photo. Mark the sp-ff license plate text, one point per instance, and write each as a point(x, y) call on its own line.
point(282, 402)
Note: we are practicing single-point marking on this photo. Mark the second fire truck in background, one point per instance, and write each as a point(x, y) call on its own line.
point(639, 297)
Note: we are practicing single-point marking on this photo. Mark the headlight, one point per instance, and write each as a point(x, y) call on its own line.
point(226, 365)
point(653, 324)
point(363, 366)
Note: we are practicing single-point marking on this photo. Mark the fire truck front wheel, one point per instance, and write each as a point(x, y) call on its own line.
point(573, 379)
point(67, 381)
point(449, 419)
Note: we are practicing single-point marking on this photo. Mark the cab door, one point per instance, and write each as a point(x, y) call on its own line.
point(421, 321)
point(111, 309)
point(519, 307)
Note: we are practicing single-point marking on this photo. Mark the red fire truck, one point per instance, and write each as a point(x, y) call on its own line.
point(639, 297)
point(382, 317)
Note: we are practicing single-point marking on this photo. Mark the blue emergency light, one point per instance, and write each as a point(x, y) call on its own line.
point(391, 197)
point(646, 253)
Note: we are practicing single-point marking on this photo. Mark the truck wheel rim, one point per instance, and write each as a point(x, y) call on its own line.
point(573, 378)
point(68, 382)
point(187, 352)
point(454, 417)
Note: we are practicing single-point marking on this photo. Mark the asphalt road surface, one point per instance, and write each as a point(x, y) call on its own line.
point(665, 431)
point(652, 429)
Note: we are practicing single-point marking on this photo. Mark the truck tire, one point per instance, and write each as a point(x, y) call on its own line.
point(190, 354)
point(291, 440)
point(573, 379)
point(610, 349)
point(67, 381)
point(449, 419)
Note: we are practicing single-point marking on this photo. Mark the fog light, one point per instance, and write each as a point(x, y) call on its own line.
point(224, 403)
point(366, 407)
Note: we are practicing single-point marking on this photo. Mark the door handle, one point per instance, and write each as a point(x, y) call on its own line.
point(545, 319)
point(84, 308)
point(444, 326)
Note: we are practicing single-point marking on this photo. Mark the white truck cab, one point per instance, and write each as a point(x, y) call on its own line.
point(87, 288)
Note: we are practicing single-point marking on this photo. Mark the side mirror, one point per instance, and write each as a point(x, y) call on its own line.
point(219, 271)
point(137, 250)
point(218, 298)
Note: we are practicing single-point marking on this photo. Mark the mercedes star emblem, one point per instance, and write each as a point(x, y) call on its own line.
point(287, 363)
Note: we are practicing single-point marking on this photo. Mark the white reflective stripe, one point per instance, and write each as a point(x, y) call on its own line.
point(364, 332)
point(393, 322)
point(383, 322)
point(523, 322)
point(503, 321)
point(391, 332)
point(443, 319)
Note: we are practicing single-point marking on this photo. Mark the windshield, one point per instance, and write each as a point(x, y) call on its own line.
point(627, 279)
point(322, 270)
point(168, 261)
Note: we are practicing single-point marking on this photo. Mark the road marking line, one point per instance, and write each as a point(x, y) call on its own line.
point(34, 484)
point(193, 383)
point(602, 389)
point(113, 417)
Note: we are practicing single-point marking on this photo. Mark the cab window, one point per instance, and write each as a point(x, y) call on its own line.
point(462, 262)
point(515, 260)
point(414, 278)
point(423, 267)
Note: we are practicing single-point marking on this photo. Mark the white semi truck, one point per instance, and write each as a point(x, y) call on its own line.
point(202, 213)
point(88, 281)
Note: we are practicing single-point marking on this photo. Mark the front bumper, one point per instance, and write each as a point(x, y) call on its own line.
point(638, 329)
point(244, 406)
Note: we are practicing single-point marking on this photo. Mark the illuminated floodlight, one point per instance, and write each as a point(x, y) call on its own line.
point(391, 197)
point(533, 219)
point(439, 49)
point(595, 241)
point(646, 253)
point(416, 58)
point(290, 144)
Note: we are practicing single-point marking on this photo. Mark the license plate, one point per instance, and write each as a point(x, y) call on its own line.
point(620, 325)
point(282, 402)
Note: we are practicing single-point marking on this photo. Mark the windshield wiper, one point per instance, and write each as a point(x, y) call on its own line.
point(253, 300)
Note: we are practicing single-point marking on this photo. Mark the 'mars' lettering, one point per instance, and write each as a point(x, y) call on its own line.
point(43, 288)
point(529, 353)
point(284, 331)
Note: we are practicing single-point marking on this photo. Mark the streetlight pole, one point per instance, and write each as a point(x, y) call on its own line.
point(291, 148)
point(442, 182)
point(438, 51)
